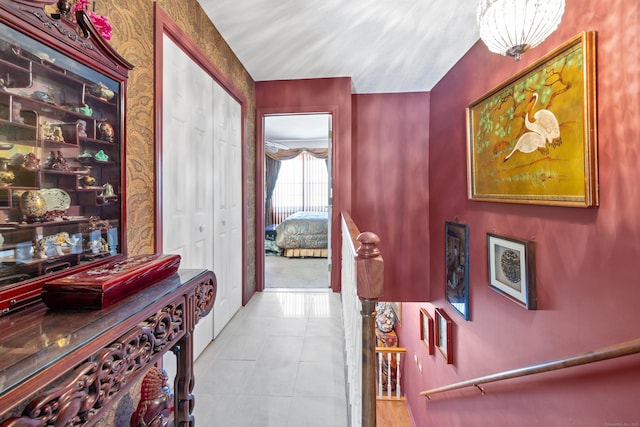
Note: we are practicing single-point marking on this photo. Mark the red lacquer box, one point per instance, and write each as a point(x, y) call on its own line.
point(103, 285)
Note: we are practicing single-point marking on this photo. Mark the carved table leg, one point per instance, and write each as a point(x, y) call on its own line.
point(184, 382)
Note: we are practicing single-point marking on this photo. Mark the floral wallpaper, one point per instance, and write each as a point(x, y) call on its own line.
point(133, 38)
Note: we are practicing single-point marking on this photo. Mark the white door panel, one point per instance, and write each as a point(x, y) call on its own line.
point(227, 207)
point(186, 168)
point(202, 182)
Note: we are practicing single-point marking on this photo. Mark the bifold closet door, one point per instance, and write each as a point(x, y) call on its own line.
point(187, 172)
point(227, 201)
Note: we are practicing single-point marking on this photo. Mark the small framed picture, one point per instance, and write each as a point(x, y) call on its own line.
point(426, 329)
point(512, 269)
point(457, 267)
point(444, 334)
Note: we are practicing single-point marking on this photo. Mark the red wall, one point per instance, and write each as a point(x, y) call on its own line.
point(587, 286)
point(332, 95)
point(391, 186)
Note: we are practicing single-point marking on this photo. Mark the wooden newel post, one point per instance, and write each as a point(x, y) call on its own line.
point(370, 275)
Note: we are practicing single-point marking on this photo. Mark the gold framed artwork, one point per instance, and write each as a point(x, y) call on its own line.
point(533, 139)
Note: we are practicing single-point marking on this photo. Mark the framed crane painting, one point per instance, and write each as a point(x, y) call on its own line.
point(533, 139)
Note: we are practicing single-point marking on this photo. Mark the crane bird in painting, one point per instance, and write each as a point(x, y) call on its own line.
point(528, 143)
point(544, 121)
point(544, 129)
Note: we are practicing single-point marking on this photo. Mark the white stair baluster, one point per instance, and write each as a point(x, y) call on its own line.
point(399, 359)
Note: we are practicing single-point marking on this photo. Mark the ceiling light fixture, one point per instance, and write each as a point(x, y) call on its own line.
point(509, 27)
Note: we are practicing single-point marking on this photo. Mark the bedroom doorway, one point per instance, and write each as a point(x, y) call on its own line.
point(297, 206)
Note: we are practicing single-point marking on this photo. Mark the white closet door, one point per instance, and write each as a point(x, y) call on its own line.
point(227, 207)
point(187, 175)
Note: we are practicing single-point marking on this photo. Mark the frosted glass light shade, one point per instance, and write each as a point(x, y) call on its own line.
point(509, 27)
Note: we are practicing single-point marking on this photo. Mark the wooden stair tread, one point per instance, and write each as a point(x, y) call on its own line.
point(392, 413)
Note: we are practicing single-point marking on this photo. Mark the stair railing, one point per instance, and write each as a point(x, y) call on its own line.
point(389, 364)
point(362, 284)
point(605, 353)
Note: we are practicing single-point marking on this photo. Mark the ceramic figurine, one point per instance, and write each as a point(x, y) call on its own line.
point(107, 190)
point(31, 162)
point(85, 157)
point(64, 6)
point(106, 132)
point(87, 181)
point(82, 128)
point(385, 318)
point(32, 205)
point(43, 96)
point(57, 134)
point(6, 176)
point(84, 109)
point(101, 156)
point(45, 131)
point(156, 400)
point(101, 91)
point(51, 245)
point(95, 247)
point(15, 115)
point(57, 161)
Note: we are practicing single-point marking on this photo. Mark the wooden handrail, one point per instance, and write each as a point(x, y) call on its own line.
point(354, 232)
point(391, 350)
point(617, 350)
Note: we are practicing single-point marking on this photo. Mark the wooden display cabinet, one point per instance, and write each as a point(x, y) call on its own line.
point(62, 171)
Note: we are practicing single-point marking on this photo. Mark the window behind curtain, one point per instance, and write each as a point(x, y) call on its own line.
point(302, 186)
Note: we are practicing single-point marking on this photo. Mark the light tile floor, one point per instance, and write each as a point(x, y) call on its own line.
point(278, 363)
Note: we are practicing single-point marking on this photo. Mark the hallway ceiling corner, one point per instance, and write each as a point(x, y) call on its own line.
point(385, 46)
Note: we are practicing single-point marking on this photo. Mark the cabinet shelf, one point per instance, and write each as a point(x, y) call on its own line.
point(50, 116)
point(16, 70)
point(23, 225)
point(98, 141)
point(94, 162)
point(90, 97)
point(60, 172)
point(53, 143)
point(7, 124)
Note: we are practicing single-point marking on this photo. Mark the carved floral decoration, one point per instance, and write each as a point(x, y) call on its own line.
point(101, 22)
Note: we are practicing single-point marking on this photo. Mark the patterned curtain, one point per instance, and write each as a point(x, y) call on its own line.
point(272, 169)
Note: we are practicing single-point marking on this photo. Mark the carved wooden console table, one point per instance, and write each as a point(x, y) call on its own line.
point(69, 368)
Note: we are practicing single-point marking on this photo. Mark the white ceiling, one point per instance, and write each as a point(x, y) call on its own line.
point(383, 45)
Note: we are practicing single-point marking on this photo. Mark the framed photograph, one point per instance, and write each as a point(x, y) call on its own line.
point(444, 334)
point(426, 329)
point(457, 267)
point(512, 269)
point(533, 138)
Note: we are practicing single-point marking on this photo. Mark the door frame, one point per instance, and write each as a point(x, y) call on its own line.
point(164, 25)
point(260, 182)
